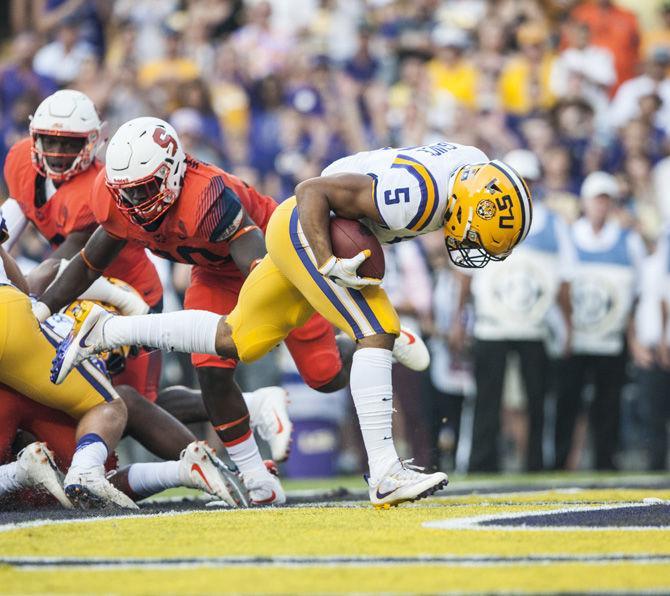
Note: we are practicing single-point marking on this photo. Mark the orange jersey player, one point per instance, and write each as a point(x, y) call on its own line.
point(190, 212)
point(50, 176)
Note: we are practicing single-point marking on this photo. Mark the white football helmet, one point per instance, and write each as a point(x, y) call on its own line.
point(145, 168)
point(68, 115)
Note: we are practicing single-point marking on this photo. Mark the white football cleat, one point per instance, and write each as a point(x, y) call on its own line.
point(36, 468)
point(83, 341)
point(410, 350)
point(403, 482)
point(198, 468)
point(268, 414)
point(89, 489)
point(264, 489)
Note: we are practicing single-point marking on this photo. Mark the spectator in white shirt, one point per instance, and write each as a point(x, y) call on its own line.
point(61, 59)
point(586, 71)
point(604, 288)
point(626, 103)
point(512, 300)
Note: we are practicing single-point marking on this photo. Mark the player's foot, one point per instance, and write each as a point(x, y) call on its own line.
point(410, 351)
point(89, 489)
point(404, 482)
point(198, 469)
point(268, 415)
point(82, 342)
point(264, 489)
point(36, 469)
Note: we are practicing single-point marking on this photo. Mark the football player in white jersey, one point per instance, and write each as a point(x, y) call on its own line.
point(484, 208)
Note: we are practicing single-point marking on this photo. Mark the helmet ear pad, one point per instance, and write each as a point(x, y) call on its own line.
point(489, 212)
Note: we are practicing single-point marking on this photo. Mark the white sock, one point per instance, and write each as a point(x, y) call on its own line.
point(8, 481)
point(149, 479)
point(246, 456)
point(190, 331)
point(90, 455)
point(372, 390)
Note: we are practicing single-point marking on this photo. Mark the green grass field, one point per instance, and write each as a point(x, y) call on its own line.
point(616, 539)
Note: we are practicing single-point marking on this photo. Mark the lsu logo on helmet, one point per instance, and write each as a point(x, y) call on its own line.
point(489, 213)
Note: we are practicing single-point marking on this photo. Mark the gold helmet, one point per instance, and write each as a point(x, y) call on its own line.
point(115, 359)
point(488, 214)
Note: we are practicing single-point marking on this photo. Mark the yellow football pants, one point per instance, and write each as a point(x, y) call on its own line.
point(26, 351)
point(285, 289)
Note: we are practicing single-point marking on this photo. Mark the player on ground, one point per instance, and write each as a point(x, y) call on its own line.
point(87, 397)
point(484, 209)
point(49, 177)
point(155, 429)
point(37, 467)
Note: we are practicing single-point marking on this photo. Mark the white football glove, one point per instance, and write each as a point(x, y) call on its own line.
point(343, 271)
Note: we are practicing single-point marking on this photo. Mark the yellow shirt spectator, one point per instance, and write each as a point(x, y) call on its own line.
point(524, 87)
point(169, 69)
point(459, 79)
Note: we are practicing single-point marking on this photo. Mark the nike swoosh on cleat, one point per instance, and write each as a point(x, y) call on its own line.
point(409, 336)
point(387, 398)
point(83, 339)
point(266, 501)
point(196, 468)
point(384, 495)
point(281, 426)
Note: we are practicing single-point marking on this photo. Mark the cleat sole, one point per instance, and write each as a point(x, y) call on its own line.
point(426, 493)
point(82, 498)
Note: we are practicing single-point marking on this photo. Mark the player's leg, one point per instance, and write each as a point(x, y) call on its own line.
point(10, 416)
point(317, 355)
point(184, 403)
point(368, 317)
point(268, 413)
point(34, 467)
point(86, 396)
point(154, 428)
point(223, 400)
point(271, 309)
point(197, 466)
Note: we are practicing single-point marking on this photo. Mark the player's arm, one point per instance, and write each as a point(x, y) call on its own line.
point(13, 272)
point(247, 246)
point(349, 196)
point(11, 268)
point(40, 277)
point(15, 220)
point(84, 269)
point(72, 244)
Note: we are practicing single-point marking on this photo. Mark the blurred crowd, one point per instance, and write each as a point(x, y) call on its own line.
point(556, 357)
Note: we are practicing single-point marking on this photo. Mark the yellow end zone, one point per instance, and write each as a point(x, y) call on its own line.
point(349, 531)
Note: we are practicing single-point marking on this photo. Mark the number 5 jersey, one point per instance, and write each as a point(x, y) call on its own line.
point(411, 185)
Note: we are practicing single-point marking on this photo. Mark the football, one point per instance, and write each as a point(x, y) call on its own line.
point(349, 237)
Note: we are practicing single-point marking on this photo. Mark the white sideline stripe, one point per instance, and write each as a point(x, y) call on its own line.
point(475, 522)
point(51, 563)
